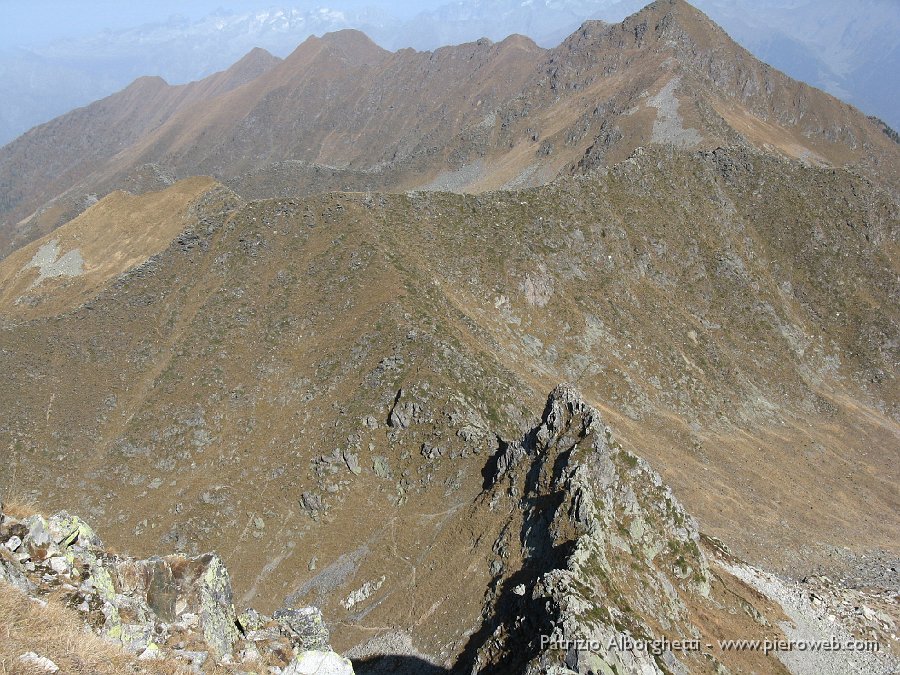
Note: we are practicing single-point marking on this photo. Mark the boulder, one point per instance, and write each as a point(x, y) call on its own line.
point(40, 663)
point(318, 663)
point(304, 627)
point(67, 530)
point(12, 572)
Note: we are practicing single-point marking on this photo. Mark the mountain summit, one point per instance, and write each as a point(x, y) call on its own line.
point(342, 113)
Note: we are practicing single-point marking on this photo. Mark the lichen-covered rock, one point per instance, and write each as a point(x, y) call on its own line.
point(304, 627)
point(151, 580)
point(67, 530)
point(173, 586)
point(251, 620)
point(217, 615)
point(154, 607)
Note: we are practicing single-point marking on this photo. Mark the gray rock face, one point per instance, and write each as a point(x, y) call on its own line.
point(404, 413)
point(38, 531)
point(304, 627)
point(173, 586)
point(352, 461)
point(612, 572)
point(12, 572)
point(596, 520)
point(311, 502)
point(381, 467)
point(510, 456)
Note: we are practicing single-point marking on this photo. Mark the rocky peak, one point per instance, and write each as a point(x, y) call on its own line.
point(660, 22)
point(609, 551)
point(258, 54)
point(610, 574)
point(355, 46)
point(256, 62)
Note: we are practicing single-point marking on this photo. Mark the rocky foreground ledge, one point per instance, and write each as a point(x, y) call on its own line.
point(174, 608)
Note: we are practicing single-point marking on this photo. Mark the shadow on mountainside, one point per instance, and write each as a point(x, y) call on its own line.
point(396, 664)
point(544, 463)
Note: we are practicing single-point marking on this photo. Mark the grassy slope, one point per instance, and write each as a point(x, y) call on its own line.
point(731, 315)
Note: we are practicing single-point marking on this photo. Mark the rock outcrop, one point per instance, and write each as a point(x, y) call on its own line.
point(610, 553)
point(165, 607)
point(612, 575)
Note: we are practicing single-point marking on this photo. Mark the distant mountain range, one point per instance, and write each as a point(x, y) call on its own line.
point(342, 113)
point(845, 52)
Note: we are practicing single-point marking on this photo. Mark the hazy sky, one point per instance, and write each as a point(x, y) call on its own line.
point(35, 22)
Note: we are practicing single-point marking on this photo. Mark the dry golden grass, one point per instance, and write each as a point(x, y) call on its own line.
point(57, 633)
point(116, 234)
point(19, 506)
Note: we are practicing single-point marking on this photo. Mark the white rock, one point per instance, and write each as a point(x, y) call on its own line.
point(885, 619)
point(60, 565)
point(318, 663)
point(196, 659)
point(151, 653)
point(13, 543)
point(35, 661)
point(37, 531)
point(250, 654)
point(188, 620)
point(366, 591)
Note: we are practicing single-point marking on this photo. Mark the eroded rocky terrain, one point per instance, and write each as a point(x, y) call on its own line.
point(590, 555)
point(314, 389)
point(174, 610)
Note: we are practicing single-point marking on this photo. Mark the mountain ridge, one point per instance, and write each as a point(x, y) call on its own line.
point(606, 90)
point(49, 155)
point(306, 313)
point(365, 363)
point(814, 42)
point(511, 319)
